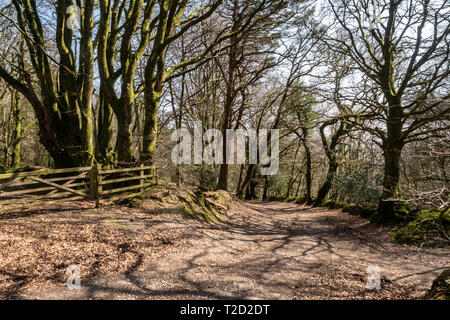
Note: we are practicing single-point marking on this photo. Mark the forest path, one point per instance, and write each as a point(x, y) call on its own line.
point(274, 251)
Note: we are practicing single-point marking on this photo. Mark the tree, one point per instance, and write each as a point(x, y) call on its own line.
point(136, 17)
point(174, 19)
point(250, 55)
point(62, 103)
point(340, 122)
point(300, 107)
point(406, 58)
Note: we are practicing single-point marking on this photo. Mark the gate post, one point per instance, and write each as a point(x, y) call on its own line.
point(95, 183)
point(99, 187)
point(92, 183)
point(141, 179)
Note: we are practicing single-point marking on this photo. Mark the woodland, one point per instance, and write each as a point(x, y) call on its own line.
point(358, 89)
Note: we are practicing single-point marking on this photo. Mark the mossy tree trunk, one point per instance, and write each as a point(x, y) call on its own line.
point(151, 98)
point(392, 151)
point(137, 17)
point(105, 152)
point(86, 71)
point(64, 115)
point(169, 19)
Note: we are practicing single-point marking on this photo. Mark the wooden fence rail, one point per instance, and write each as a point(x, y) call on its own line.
point(23, 190)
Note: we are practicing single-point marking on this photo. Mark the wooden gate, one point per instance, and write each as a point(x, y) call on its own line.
point(23, 190)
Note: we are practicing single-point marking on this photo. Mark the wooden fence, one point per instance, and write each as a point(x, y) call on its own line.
point(23, 190)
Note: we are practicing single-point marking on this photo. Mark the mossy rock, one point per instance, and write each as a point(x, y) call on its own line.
point(219, 198)
point(440, 289)
point(205, 206)
point(421, 228)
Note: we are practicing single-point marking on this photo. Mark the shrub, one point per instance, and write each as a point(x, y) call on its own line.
point(358, 186)
point(276, 186)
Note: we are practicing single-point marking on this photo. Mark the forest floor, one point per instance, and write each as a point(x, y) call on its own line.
point(258, 251)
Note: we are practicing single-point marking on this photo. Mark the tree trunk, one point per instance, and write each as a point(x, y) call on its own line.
point(230, 96)
point(326, 186)
point(124, 141)
point(15, 158)
point(392, 150)
point(292, 177)
point(87, 71)
point(223, 173)
point(242, 188)
point(333, 165)
point(266, 188)
point(150, 126)
point(250, 192)
point(308, 172)
point(62, 104)
point(241, 176)
point(105, 152)
point(391, 180)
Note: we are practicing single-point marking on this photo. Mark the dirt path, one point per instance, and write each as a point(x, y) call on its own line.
point(273, 251)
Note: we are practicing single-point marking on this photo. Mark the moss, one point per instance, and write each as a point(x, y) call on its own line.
point(421, 228)
point(291, 199)
point(392, 219)
point(368, 211)
point(396, 213)
point(338, 205)
point(352, 209)
point(402, 209)
point(440, 289)
point(413, 226)
point(326, 203)
point(219, 198)
point(206, 206)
